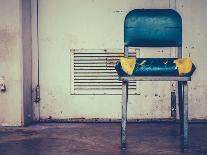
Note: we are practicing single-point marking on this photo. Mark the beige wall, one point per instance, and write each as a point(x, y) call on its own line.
point(98, 24)
point(13, 52)
point(10, 62)
point(60, 35)
point(194, 15)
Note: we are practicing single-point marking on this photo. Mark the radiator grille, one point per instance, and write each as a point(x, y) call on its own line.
point(92, 71)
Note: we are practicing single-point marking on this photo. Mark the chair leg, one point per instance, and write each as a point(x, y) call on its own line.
point(173, 105)
point(185, 115)
point(180, 101)
point(124, 115)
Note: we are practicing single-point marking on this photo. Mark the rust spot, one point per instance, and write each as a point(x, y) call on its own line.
point(50, 117)
point(118, 11)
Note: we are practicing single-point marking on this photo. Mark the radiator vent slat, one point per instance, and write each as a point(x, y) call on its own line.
point(92, 72)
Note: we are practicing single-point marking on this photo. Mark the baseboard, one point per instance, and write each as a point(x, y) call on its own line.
point(99, 120)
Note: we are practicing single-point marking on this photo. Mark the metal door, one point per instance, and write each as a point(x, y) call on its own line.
point(78, 44)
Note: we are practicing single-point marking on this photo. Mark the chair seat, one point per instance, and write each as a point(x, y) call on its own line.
point(154, 78)
point(155, 67)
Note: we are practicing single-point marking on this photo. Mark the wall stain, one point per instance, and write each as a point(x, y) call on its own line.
point(118, 11)
point(8, 40)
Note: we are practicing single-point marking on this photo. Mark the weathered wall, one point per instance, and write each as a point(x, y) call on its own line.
point(89, 24)
point(97, 24)
point(194, 45)
point(15, 62)
point(10, 62)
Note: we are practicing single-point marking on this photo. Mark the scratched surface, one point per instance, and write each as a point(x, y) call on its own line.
point(97, 26)
point(101, 138)
point(93, 24)
point(101, 27)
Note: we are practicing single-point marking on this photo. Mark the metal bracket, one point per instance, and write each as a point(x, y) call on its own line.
point(173, 105)
point(37, 94)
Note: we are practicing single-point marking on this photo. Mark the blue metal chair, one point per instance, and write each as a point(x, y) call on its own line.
point(155, 28)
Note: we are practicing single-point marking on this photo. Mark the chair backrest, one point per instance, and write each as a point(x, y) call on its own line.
point(153, 28)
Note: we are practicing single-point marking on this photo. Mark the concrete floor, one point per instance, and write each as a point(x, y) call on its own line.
point(99, 138)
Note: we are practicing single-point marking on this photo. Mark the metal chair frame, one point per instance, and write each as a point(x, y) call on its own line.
point(182, 98)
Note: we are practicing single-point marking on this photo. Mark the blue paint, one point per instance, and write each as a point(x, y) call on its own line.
point(153, 28)
point(154, 67)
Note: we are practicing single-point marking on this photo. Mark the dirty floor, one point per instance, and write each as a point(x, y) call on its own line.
point(99, 138)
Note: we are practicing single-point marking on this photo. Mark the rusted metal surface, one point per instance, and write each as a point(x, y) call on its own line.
point(183, 112)
point(183, 109)
point(185, 115)
point(124, 115)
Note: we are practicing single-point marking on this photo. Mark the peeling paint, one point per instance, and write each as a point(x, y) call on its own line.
point(58, 35)
point(10, 63)
point(118, 11)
